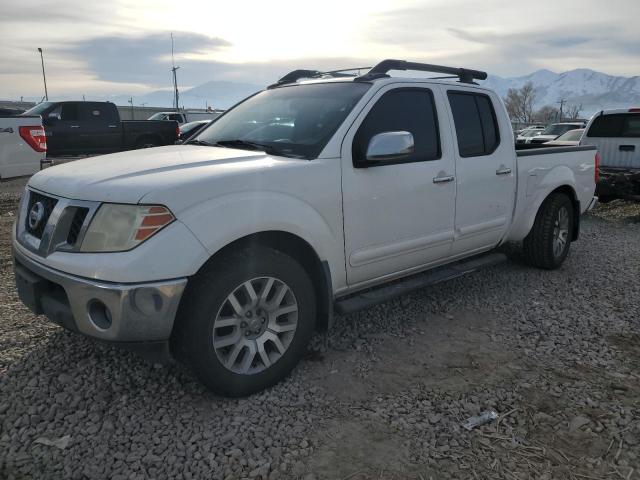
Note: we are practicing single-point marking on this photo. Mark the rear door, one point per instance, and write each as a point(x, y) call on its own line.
point(101, 128)
point(617, 138)
point(398, 215)
point(485, 171)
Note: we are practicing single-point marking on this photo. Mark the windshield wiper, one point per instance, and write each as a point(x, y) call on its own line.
point(248, 144)
point(199, 142)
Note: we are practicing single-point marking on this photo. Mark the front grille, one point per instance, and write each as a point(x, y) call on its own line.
point(48, 203)
point(76, 225)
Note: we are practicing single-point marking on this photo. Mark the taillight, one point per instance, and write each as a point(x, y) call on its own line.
point(597, 172)
point(177, 131)
point(35, 137)
point(634, 110)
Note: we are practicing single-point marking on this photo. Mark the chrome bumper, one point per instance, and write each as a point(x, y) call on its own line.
point(593, 203)
point(140, 312)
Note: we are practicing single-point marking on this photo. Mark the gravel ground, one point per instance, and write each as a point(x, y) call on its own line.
point(383, 396)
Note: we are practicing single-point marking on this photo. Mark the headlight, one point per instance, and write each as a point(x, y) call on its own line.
point(116, 228)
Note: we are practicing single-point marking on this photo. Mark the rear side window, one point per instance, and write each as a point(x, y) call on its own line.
point(476, 125)
point(99, 112)
point(69, 112)
point(618, 125)
point(405, 109)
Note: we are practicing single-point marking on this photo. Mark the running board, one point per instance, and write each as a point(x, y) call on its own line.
point(430, 277)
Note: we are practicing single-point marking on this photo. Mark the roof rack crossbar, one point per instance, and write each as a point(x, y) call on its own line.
point(296, 75)
point(381, 70)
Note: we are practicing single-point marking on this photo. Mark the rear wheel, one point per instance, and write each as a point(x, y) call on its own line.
point(246, 319)
point(549, 240)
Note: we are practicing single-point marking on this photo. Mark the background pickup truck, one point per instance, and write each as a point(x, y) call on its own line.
point(319, 194)
point(23, 146)
point(186, 116)
point(80, 128)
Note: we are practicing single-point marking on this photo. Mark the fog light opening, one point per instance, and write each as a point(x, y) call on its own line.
point(99, 315)
point(148, 301)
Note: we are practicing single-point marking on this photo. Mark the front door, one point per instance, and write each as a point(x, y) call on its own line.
point(398, 215)
point(485, 171)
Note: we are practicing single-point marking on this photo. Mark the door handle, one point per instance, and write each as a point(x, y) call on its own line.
point(503, 171)
point(113, 126)
point(446, 179)
point(627, 148)
point(75, 126)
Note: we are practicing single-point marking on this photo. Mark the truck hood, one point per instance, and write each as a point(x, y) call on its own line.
point(126, 177)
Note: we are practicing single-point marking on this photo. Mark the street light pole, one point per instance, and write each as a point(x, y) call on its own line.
point(44, 77)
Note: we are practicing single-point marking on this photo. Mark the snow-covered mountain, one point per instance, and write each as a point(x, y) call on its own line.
point(594, 90)
point(216, 94)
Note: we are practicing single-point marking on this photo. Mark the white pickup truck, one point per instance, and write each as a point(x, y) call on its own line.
point(23, 146)
point(321, 193)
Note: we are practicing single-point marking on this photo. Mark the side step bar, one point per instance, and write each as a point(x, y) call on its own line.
point(381, 294)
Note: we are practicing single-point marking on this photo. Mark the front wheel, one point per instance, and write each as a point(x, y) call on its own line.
point(246, 320)
point(547, 244)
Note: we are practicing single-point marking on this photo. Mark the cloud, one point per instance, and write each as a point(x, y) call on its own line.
point(144, 58)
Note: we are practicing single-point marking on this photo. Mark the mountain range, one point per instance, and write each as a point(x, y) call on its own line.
point(593, 90)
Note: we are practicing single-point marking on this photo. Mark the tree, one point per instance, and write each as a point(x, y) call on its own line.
point(573, 111)
point(519, 103)
point(546, 114)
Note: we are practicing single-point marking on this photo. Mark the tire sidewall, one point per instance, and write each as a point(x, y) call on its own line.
point(553, 209)
point(211, 288)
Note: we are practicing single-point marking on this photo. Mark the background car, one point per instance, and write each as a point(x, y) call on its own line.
point(191, 128)
point(554, 130)
point(526, 134)
point(568, 139)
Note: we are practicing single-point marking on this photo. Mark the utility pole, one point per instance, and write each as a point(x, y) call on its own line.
point(44, 77)
point(174, 69)
point(131, 102)
point(562, 101)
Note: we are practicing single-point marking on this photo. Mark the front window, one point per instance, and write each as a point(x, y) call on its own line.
point(295, 121)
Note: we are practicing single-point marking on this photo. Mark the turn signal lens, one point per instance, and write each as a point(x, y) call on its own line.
point(116, 228)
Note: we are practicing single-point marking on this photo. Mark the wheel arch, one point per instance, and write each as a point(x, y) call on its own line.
point(299, 249)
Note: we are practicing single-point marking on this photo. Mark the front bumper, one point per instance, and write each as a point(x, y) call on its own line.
point(138, 312)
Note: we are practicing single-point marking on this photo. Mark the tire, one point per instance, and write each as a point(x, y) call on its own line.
point(207, 304)
point(543, 246)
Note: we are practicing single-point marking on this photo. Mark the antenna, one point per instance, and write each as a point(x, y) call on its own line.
point(176, 95)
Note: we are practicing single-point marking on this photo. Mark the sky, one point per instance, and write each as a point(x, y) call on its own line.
point(124, 47)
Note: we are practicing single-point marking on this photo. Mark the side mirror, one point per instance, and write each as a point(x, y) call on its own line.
point(389, 146)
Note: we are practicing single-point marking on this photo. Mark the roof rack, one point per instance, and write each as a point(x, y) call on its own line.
point(380, 70)
point(296, 75)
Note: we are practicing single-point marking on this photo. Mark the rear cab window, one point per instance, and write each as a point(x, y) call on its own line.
point(619, 125)
point(475, 122)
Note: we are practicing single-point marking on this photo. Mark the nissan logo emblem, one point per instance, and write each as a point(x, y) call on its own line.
point(36, 214)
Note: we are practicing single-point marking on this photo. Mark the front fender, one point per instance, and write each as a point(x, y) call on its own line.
point(222, 220)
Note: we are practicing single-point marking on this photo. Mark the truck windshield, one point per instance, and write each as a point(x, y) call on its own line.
point(38, 109)
point(295, 121)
